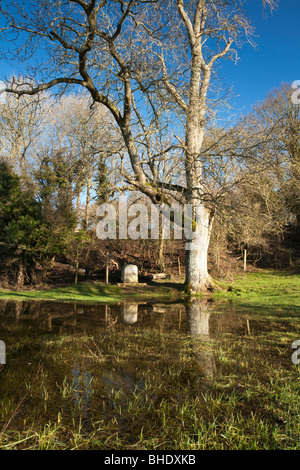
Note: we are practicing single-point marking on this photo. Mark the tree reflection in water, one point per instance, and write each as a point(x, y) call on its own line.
point(198, 315)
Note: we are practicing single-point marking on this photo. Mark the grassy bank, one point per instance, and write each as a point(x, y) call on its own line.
point(94, 292)
point(264, 288)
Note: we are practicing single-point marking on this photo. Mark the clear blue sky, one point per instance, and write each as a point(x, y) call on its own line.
point(276, 58)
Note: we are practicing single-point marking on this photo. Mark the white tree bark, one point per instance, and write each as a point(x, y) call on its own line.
point(197, 276)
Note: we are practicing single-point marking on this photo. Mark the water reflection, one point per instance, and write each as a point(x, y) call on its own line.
point(198, 313)
point(198, 317)
point(101, 360)
point(82, 389)
point(129, 312)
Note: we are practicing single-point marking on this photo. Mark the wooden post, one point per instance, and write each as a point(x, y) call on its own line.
point(248, 327)
point(245, 260)
point(179, 267)
point(107, 268)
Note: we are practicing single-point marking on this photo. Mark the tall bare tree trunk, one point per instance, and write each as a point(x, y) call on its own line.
point(197, 277)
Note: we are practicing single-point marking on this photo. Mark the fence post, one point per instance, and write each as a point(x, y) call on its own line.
point(106, 268)
point(245, 260)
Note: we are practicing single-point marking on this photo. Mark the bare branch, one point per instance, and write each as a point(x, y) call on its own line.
point(220, 54)
point(187, 22)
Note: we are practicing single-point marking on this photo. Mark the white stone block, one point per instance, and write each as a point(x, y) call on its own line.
point(129, 273)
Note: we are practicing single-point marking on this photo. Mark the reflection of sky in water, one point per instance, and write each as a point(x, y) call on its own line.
point(82, 387)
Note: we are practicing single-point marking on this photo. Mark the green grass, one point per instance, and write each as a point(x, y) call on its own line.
point(92, 292)
point(264, 289)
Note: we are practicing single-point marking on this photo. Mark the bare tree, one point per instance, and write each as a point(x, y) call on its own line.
point(87, 136)
point(279, 112)
point(22, 121)
point(151, 63)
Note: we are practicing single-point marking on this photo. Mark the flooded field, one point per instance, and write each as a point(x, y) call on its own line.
point(202, 375)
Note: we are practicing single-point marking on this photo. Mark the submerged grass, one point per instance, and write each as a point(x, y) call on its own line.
point(153, 388)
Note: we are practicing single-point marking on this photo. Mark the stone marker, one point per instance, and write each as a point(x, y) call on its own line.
point(129, 273)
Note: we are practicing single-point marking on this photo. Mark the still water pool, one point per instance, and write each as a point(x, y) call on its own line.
point(148, 375)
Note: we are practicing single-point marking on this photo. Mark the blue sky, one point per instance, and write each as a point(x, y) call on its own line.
point(276, 58)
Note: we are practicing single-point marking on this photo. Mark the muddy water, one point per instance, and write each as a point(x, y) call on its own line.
point(76, 362)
